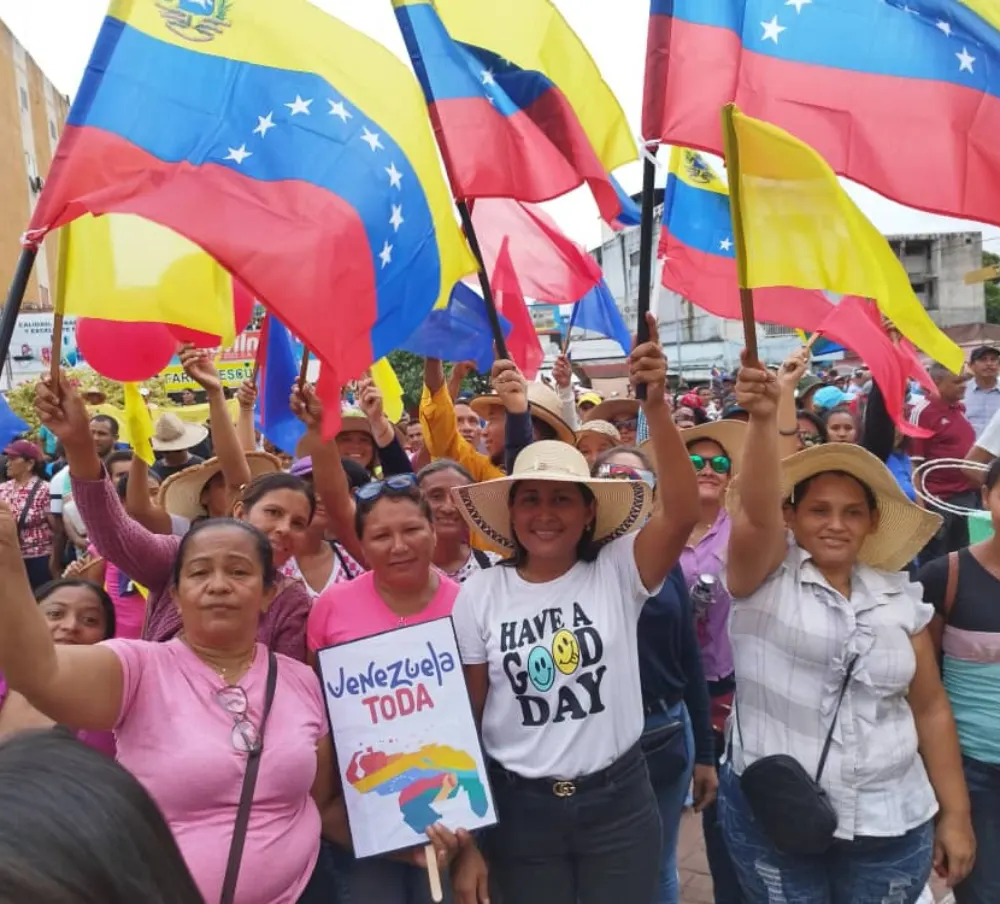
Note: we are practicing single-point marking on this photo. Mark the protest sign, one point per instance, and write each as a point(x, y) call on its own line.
point(406, 739)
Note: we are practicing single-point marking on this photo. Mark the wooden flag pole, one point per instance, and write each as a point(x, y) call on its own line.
point(304, 367)
point(813, 339)
point(57, 333)
point(433, 874)
point(645, 253)
point(732, 150)
point(15, 295)
point(484, 280)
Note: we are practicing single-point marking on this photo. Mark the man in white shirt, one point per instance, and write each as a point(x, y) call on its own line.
point(982, 398)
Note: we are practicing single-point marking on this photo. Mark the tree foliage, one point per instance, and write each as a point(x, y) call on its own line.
point(992, 289)
point(410, 371)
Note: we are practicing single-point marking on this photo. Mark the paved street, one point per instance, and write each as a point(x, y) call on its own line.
point(696, 883)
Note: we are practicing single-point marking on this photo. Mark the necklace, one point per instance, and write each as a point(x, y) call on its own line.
point(240, 668)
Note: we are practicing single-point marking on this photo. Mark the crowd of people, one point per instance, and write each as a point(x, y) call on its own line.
point(787, 631)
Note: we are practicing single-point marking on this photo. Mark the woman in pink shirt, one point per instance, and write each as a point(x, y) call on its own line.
point(191, 715)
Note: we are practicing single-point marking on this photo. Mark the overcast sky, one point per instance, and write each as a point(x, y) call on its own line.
point(60, 33)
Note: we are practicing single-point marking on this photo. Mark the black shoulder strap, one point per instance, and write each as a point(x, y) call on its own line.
point(833, 720)
point(22, 519)
point(246, 794)
point(481, 558)
point(344, 567)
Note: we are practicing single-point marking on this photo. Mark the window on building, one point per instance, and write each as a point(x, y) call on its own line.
point(53, 131)
point(633, 259)
point(24, 99)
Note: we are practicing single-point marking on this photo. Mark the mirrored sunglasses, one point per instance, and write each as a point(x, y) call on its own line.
point(397, 485)
point(718, 463)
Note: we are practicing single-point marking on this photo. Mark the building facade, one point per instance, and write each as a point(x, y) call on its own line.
point(32, 114)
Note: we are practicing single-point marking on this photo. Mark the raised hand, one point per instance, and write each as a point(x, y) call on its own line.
point(199, 366)
point(509, 383)
point(370, 400)
point(62, 410)
point(562, 372)
point(247, 394)
point(757, 390)
point(306, 406)
point(793, 369)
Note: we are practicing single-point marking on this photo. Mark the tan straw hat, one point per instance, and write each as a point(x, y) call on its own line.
point(180, 494)
point(602, 428)
point(903, 528)
point(171, 434)
point(622, 505)
point(729, 435)
point(543, 404)
point(610, 409)
point(353, 420)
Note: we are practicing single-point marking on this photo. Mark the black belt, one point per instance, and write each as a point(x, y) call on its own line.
point(570, 787)
point(662, 705)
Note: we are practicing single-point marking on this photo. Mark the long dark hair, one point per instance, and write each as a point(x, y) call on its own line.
point(77, 828)
point(586, 549)
point(46, 590)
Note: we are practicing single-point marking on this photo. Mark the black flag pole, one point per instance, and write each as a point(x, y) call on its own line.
point(15, 295)
point(484, 279)
point(645, 252)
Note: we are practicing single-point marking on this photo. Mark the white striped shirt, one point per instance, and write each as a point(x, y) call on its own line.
point(792, 639)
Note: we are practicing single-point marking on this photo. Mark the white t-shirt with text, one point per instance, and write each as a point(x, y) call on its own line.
point(564, 699)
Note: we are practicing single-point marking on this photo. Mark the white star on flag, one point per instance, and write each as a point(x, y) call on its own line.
point(396, 220)
point(944, 26)
point(725, 245)
point(965, 61)
point(385, 255)
point(771, 30)
point(239, 154)
point(337, 108)
point(487, 77)
point(299, 106)
point(371, 139)
point(798, 4)
point(264, 124)
point(395, 176)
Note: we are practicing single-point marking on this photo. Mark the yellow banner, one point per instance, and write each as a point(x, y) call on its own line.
point(232, 373)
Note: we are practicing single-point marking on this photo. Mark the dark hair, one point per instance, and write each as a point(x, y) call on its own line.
point(602, 459)
point(117, 456)
point(46, 590)
point(992, 475)
point(357, 475)
point(261, 486)
point(802, 487)
point(77, 828)
point(443, 464)
point(816, 421)
point(365, 507)
point(109, 420)
point(265, 555)
point(839, 409)
point(586, 549)
point(543, 429)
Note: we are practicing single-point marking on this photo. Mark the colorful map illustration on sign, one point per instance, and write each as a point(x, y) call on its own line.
point(431, 774)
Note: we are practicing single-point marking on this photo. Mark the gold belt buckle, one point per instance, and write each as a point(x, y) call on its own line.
point(563, 789)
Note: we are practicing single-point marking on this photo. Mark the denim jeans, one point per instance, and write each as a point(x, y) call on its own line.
point(725, 882)
point(867, 870)
point(598, 845)
point(983, 884)
point(671, 778)
point(323, 887)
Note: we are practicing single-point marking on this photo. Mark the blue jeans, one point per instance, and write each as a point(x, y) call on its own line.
point(867, 870)
point(983, 884)
point(597, 845)
point(725, 882)
point(671, 763)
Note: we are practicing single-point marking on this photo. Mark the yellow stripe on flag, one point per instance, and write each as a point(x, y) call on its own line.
point(799, 228)
point(139, 423)
point(392, 391)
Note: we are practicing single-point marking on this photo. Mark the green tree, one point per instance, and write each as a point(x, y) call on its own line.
point(410, 371)
point(992, 289)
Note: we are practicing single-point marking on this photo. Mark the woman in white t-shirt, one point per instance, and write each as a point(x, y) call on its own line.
point(548, 640)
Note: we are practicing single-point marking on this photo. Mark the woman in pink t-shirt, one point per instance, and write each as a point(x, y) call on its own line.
point(189, 714)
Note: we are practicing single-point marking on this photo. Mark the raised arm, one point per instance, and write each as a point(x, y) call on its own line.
point(200, 368)
point(391, 454)
point(138, 504)
point(78, 685)
point(791, 371)
point(661, 540)
point(757, 543)
point(246, 395)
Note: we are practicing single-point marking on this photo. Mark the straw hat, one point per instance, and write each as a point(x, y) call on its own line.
point(543, 404)
point(354, 421)
point(903, 528)
point(730, 435)
point(602, 428)
point(180, 494)
point(610, 409)
point(622, 505)
point(93, 394)
point(171, 434)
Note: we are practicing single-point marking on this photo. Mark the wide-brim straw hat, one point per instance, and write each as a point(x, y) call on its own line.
point(171, 434)
point(601, 428)
point(622, 505)
point(903, 528)
point(543, 403)
point(729, 435)
point(180, 494)
point(354, 421)
point(610, 409)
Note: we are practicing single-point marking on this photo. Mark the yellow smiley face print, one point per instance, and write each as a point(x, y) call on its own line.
point(566, 652)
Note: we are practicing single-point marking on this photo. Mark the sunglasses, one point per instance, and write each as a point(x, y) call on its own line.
point(718, 463)
point(811, 439)
point(624, 472)
point(627, 423)
point(397, 485)
point(245, 735)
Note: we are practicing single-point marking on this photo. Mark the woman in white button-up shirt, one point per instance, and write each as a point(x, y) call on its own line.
point(814, 557)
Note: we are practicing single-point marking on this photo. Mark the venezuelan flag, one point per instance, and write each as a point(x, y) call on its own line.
point(699, 254)
point(903, 97)
point(291, 148)
point(519, 106)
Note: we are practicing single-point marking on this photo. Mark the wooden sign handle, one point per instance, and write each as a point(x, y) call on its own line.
point(433, 874)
